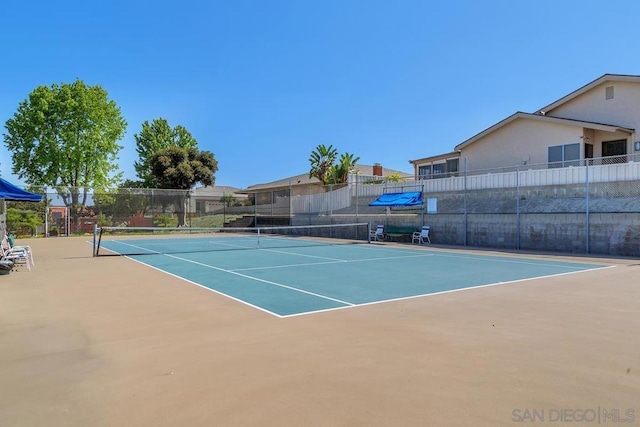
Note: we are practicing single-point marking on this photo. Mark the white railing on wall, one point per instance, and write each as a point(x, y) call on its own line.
point(323, 202)
point(521, 176)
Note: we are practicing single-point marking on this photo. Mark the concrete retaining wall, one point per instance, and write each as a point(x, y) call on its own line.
point(552, 218)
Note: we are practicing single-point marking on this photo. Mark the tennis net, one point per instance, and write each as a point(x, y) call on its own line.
point(167, 240)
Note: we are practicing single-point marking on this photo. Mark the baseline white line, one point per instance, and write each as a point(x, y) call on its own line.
point(350, 305)
point(205, 287)
point(449, 291)
point(244, 276)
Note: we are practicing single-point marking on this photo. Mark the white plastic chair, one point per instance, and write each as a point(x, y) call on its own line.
point(17, 257)
point(378, 233)
point(7, 243)
point(421, 236)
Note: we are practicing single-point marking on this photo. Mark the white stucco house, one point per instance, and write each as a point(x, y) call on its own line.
point(598, 120)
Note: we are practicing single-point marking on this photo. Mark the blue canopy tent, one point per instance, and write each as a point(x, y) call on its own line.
point(10, 192)
point(413, 198)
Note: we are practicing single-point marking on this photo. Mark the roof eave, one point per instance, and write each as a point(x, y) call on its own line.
point(540, 117)
point(600, 80)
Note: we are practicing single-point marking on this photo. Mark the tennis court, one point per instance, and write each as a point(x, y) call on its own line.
point(288, 275)
point(106, 341)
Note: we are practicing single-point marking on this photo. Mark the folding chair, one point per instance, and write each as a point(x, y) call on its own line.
point(7, 243)
point(378, 233)
point(421, 236)
point(17, 255)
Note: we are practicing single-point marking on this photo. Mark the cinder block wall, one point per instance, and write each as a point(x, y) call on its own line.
point(552, 218)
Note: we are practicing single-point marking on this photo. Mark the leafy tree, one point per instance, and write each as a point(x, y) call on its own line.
point(130, 183)
point(394, 177)
point(156, 136)
point(182, 168)
point(228, 199)
point(164, 220)
point(39, 208)
point(322, 160)
point(23, 222)
point(121, 204)
point(65, 136)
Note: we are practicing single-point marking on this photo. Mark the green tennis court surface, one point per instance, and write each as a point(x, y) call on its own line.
point(292, 281)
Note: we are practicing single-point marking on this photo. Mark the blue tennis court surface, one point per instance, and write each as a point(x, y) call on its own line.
point(291, 281)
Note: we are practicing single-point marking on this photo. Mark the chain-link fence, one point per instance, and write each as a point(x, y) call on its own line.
point(587, 206)
point(583, 206)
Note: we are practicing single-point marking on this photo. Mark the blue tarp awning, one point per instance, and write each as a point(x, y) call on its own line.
point(413, 198)
point(10, 192)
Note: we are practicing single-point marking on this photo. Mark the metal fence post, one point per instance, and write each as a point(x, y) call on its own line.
point(309, 205)
point(46, 212)
point(518, 208)
point(587, 231)
point(330, 203)
point(465, 202)
point(357, 199)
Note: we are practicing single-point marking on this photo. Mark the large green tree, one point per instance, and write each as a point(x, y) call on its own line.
point(322, 159)
point(66, 136)
point(181, 169)
point(121, 204)
point(156, 136)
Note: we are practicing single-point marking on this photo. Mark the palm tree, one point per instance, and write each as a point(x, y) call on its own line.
point(346, 165)
point(322, 160)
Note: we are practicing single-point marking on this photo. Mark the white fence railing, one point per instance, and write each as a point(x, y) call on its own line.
point(340, 199)
point(323, 202)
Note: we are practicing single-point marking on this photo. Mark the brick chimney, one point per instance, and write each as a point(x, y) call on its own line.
point(377, 169)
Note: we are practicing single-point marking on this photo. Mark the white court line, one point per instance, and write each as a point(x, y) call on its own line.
point(330, 262)
point(447, 291)
point(485, 257)
point(241, 275)
point(497, 258)
point(350, 305)
point(303, 255)
point(205, 287)
point(515, 261)
point(260, 280)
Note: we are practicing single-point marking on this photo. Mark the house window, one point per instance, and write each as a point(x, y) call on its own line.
point(615, 149)
point(608, 92)
point(424, 172)
point(564, 155)
point(439, 170)
point(452, 166)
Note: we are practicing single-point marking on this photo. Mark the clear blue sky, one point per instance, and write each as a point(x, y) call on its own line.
point(262, 83)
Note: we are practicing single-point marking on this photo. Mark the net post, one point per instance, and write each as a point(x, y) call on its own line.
point(258, 239)
point(95, 235)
